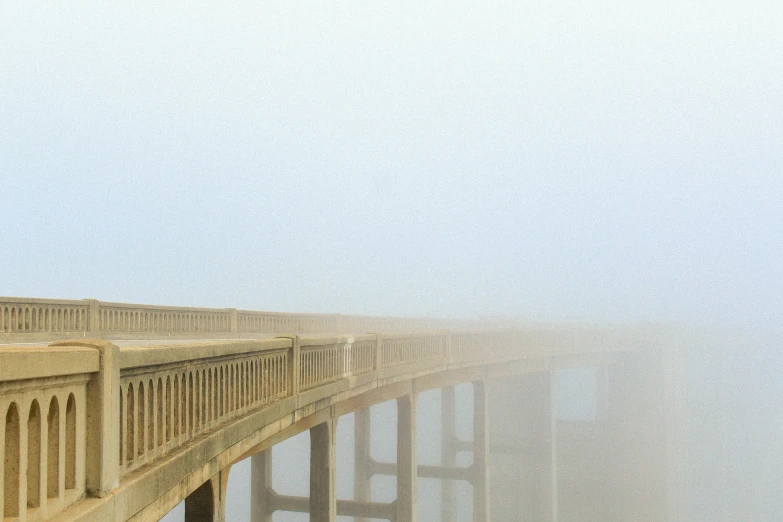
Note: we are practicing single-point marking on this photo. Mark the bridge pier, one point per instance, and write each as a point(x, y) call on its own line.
point(407, 469)
point(523, 448)
point(477, 474)
point(323, 464)
point(261, 486)
point(448, 451)
point(362, 474)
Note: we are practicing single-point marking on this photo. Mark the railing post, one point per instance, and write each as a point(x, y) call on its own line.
point(294, 365)
point(447, 346)
point(294, 362)
point(233, 320)
point(103, 419)
point(93, 318)
point(376, 362)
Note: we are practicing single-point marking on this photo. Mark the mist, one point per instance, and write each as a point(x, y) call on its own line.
point(585, 162)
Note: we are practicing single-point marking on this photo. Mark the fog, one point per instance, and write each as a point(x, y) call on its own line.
point(600, 162)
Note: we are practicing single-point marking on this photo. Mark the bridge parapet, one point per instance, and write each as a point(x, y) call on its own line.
point(23, 319)
point(31, 316)
point(171, 394)
point(43, 402)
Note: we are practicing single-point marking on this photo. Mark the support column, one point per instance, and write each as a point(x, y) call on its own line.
point(362, 474)
point(448, 452)
point(260, 486)
point(540, 435)
point(406, 459)
point(522, 447)
point(480, 477)
point(323, 495)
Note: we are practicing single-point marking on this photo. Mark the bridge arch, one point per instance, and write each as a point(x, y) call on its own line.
point(270, 426)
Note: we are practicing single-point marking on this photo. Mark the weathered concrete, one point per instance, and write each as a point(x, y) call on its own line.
point(406, 459)
point(166, 422)
point(323, 467)
point(261, 486)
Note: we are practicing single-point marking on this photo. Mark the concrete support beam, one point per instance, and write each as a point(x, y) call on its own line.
point(261, 486)
point(345, 508)
point(406, 459)
point(448, 451)
point(362, 474)
point(323, 496)
point(480, 454)
point(426, 471)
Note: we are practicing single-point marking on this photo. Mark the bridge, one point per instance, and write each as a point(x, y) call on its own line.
point(115, 411)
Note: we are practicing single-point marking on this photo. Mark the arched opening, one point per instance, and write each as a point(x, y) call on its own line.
point(204, 398)
point(70, 443)
point(34, 456)
point(131, 422)
point(159, 411)
point(211, 395)
point(190, 403)
point(231, 388)
point(221, 394)
point(11, 464)
point(151, 416)
point(198, 399)
point(167, 415)
point(175, 402)
point(140, 448)
point(53, 450)
point(200, 505)
point(184, 404)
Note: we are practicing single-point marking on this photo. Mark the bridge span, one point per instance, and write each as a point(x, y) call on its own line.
point(99, 430)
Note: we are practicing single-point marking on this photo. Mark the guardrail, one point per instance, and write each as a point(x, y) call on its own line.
point(50, 319)
point(43, 406)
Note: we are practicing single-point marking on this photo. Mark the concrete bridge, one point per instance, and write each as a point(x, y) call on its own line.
point(96, 427)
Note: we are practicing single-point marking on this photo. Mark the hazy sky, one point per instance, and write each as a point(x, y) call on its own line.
point(587, 160)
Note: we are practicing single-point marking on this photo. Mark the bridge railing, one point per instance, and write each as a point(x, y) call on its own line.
point(42, 316)
point(399, 349)
point(43, 407)
point(128, 318)
point(51, 319)
point(170, 394)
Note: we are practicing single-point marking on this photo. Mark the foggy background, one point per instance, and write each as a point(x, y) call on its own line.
point(584, 161)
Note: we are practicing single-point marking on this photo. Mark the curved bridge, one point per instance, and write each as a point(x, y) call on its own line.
point(96, 431)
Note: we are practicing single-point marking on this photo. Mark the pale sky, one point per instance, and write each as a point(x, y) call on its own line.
point(602, 161)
